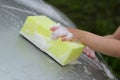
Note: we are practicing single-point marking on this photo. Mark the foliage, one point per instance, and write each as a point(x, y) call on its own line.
point(97, 16)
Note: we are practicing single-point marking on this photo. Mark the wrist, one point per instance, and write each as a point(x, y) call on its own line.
point(82, 36)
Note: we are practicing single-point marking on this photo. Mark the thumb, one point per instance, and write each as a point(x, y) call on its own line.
point(54, 28)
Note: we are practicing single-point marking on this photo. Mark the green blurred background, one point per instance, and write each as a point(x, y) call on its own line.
point(101, 17)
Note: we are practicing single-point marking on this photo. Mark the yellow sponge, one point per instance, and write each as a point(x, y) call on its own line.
point(37, 30)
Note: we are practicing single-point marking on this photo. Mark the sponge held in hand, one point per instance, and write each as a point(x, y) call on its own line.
point(37, 30)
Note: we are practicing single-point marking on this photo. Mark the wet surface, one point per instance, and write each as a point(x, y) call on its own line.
point(21, 60)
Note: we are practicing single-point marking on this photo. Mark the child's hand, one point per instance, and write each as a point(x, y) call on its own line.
point(69, 34)
point(89, 52)
point(60, 31)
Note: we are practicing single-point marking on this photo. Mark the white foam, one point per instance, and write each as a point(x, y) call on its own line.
point(51, 61)
point(94, 79)
point(41, 41)
point(44, 47)
point(61, 31)
point(107, 71)
point(74, 72)
point(75, 62)
point(86, 70)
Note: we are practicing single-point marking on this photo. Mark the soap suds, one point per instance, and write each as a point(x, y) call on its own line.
point(72, 67)
point(86, 71)
point(75, 62)
point(41, 40)
point(51, 61)
point(74, 72)
point(45, 46)
point(107, 71)
point(61, 31)
point(94, 79)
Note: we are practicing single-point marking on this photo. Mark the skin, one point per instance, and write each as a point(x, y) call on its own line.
point(89, 52)
point(108, 45)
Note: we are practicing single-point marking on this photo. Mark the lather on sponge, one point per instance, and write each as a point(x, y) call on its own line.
point(37, 30)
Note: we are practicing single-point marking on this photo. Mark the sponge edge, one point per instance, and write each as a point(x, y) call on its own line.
point(37, 30)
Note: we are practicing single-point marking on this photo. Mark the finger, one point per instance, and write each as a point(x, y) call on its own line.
point(57, 33)
point(65, 39)
point(93, 55)
point(54, 28)
point(89, 54)
point(86, 51)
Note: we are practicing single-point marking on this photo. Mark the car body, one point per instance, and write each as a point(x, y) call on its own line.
point(21, 60)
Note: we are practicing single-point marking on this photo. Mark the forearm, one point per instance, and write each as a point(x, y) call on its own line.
point(107, 46)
